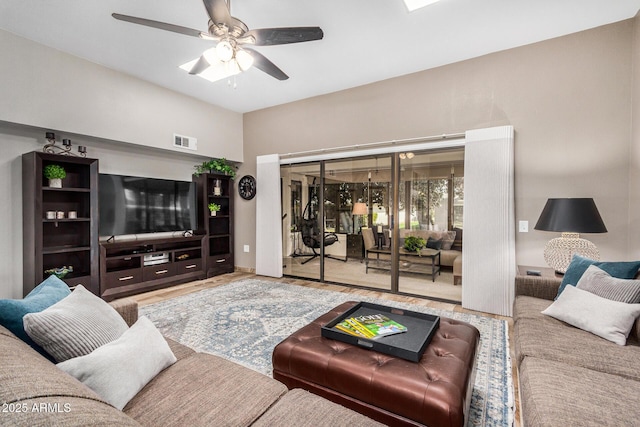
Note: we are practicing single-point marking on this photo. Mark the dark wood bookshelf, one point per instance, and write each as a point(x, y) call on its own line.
point(219, 229)
point(54, 243)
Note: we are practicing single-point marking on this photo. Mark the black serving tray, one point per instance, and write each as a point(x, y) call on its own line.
point(407, 345)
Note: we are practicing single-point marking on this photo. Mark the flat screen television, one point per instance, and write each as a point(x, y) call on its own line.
point(136, 205)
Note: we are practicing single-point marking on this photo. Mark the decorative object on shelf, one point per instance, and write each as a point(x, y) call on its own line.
point(60, 272)
point(51, 214)
point(215, 165)
point(414, 244)
point(73, 215)
point(60, 215)
point(55, 174)
point(53, 148)
point(247, 187)
point(217, 187)
point(570, 216)
point(214, 208)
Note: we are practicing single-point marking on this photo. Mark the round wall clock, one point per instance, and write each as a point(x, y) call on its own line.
point(247, 187)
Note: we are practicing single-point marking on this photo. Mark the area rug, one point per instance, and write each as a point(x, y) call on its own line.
point(243, 321)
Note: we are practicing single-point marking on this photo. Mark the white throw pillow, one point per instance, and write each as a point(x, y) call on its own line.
point(119, 370)
point(608, 319)
point(75, 325)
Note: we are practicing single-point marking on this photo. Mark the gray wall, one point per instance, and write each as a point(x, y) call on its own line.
point(569, 100)
point(43, 87)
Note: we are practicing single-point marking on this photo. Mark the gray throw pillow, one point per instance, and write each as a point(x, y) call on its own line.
point(119, 370)
point(75, 325)
point(599, 282)
point(611, 320)
point(448, 237)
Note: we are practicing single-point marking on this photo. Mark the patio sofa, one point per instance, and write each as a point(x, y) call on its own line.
point(448, 254)
point(568, 376)
point(197, 390)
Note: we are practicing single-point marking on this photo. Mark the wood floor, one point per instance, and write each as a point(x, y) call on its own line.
point(187, 288)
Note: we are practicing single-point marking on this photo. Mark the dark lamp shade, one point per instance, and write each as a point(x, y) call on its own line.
point(571, 215)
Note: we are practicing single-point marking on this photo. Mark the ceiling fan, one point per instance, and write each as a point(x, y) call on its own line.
point(233, 37)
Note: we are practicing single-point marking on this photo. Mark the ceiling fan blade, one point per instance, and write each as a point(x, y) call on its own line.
point(263, 64)
point(275, 36)
point(200, 66)
point(162, 26)
point(219, 12)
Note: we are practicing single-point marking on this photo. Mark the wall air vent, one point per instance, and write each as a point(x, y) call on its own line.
point(187, 142)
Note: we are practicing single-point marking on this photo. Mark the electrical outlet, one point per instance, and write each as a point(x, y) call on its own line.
point(523, 226)
point(246, 248)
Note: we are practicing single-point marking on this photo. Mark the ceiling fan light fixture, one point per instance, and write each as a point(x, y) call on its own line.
point(244, 59)
point(224, 50)
point(211, 55)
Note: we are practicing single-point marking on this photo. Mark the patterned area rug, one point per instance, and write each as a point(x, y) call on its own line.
point(243, 321)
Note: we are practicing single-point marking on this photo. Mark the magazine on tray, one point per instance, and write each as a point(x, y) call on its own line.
point(372, 326)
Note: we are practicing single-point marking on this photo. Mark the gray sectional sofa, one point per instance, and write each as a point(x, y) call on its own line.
point(569, 377)
point(197, 390)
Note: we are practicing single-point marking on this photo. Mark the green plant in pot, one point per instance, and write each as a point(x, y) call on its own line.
point(414, 244)
point(214, 208)
point(55, 174)
point(215, 165)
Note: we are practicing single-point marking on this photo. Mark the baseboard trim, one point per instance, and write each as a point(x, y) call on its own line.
point(245, 269)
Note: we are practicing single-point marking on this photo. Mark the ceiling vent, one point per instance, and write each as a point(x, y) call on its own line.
point(187, 142)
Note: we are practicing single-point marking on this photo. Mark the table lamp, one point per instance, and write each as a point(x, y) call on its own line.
point(359, 208)
point(570, 217)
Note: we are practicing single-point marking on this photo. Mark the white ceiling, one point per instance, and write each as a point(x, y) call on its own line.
point(364, 40)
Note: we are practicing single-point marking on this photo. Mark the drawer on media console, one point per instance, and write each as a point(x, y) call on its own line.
point(188, 266)
point(158, 271)
point(220, 264)
point(119, 278)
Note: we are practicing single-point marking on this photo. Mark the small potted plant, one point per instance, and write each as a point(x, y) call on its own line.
point(55, 174)
point(214, 208)
point(414, 244)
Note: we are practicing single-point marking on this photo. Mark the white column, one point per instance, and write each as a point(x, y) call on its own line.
point(268, 216)
point(488, 262)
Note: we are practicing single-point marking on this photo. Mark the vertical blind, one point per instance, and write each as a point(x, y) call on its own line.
point(488, 260)
point(268, 217)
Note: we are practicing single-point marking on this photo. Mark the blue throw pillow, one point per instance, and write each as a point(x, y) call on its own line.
point(579, 264)
point(41, 297)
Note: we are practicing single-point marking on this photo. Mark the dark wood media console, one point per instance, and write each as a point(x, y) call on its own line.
point(132, 267)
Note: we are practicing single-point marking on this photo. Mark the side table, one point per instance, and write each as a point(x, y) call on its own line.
point(545, 272)
point(355, 246)
point(544, 286)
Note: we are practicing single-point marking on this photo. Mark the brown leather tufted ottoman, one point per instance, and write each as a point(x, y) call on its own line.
point(435, 391)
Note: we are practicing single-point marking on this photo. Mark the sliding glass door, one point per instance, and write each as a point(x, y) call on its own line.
point(358, 209)
point(339, 221)
point(301, 238)
point(431, 197)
